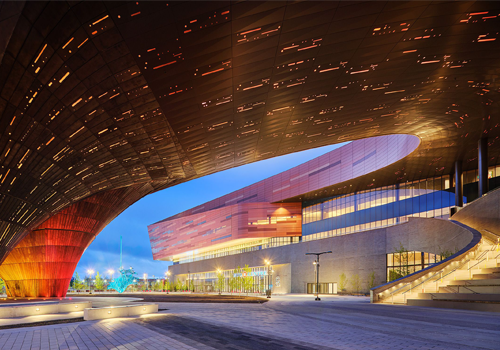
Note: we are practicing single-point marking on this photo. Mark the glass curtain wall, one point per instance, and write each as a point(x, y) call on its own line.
point(234, 280)
point(405, 263)
point(240, 248)
point(378, 207)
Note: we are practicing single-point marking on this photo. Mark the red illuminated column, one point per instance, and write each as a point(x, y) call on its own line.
point(42, 264)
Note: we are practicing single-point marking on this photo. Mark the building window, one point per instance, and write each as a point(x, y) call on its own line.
point(405, 263)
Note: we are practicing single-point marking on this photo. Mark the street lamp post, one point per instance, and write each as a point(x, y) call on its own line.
point(145, 280)
point(317, 270)
point(219, 271)
point(90, 272)
point(268, 263)
point(167, 275)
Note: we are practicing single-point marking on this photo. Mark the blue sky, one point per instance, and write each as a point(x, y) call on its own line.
point(104, 252)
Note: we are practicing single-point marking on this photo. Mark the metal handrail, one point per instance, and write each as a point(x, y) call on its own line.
point(439, 272)
point(462, 263)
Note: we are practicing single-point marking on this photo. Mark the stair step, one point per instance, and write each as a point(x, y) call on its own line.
point(491, 270)
point(475, 286)
point(481, 264)
point(456, 304)
point(459, 296)
point(475, 282)
point(471, 289)
point(485, 276)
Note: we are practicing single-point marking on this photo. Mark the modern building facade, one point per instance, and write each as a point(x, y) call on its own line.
point(192, 239)
point(123, 99)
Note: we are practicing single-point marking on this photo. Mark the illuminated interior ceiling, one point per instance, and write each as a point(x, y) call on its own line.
point(102, 95)
point(203, 250)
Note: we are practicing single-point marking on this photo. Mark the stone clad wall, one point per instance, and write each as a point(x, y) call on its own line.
point(482, 214)
point(358, 253)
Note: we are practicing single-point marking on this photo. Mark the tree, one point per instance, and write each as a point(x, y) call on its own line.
point(232, 283)
point(78, 283)
point(179, 285)
point(99, 282)
point(343, 282)
point(130, 287)
point(402, 257)
point(355, 283)
point(445, 253)
point(247, 280)
point(371, 280)
point(238, 278)
point(158, 285)
point(220, 281)
point(167, 285)
point(88, 282)
point(2, 286)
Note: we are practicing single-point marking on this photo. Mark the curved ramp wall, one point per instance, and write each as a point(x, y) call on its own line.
point(483, 214)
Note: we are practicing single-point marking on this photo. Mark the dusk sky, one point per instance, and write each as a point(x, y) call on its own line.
point(104, 252)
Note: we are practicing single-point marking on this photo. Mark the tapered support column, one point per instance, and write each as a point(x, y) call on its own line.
point(42, 264)
point(483, 166)
point(459, 190)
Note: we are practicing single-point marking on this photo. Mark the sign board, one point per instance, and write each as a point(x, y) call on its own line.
point(253, 273)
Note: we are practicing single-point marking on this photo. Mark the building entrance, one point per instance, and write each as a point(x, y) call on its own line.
point(324, 288)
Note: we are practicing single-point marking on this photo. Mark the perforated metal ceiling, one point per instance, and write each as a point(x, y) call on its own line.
point(96, 96)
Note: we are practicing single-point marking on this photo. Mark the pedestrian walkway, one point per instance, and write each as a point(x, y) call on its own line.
point(290, 322)
point(91, 335)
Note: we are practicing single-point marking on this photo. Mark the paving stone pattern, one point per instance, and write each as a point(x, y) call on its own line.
point(191, 332)
point(285, 323)
point(353, 323)
point(95, 335)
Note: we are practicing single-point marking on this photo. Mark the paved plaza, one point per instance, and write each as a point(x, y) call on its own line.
point(286, 322)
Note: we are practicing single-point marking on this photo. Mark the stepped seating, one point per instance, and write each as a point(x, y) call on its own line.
point(473, 284)
point(470, 279)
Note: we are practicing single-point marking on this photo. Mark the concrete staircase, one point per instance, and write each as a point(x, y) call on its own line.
point(472, 283)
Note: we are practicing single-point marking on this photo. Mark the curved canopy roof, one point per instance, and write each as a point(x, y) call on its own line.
point(101, 95)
